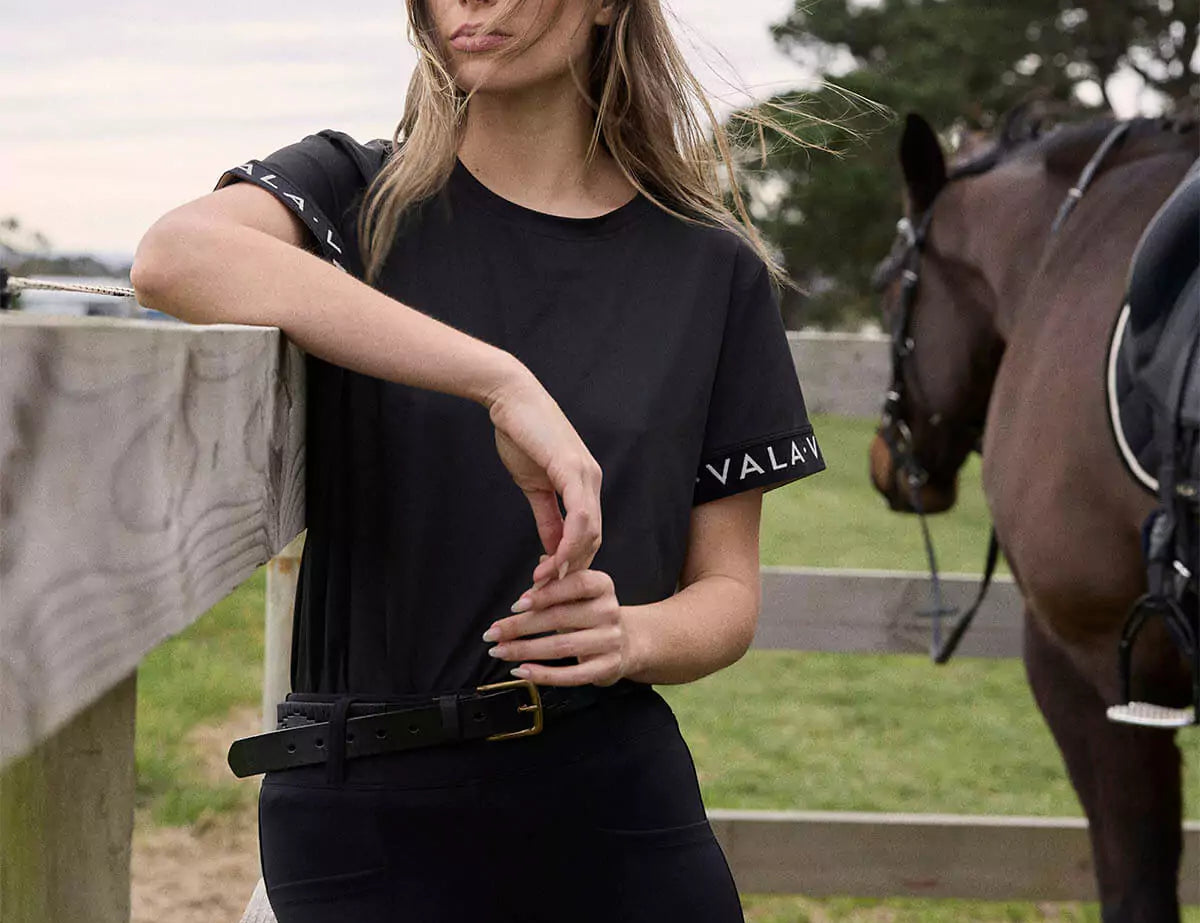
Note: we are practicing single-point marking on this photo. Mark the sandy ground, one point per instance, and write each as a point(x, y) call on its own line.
point(204, 873)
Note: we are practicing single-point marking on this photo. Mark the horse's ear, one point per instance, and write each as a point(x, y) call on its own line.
point(922, 161)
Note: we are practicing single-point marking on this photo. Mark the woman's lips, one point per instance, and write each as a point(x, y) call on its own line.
point(472, 43)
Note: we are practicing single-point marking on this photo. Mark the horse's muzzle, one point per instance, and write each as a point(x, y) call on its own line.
point(934, 495)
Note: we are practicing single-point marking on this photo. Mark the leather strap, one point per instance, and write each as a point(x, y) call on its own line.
point(336, 766)
point(388, 728)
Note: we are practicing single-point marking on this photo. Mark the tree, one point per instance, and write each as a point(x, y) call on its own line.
point(960, 63)
point(16, 241)
point(26, 252)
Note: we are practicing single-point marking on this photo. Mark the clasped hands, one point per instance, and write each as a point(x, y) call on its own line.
point(574, 608)
point(585, 621)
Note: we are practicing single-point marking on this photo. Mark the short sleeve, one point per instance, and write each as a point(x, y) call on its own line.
point(321, 180)
point(757, 433)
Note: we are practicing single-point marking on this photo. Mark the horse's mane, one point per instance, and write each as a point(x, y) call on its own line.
point(1065, 149)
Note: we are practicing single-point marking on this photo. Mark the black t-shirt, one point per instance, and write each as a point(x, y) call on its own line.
point(662, 342)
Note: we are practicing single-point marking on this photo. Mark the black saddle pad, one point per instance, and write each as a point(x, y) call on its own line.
point(1152, 377)
point(1129, 410)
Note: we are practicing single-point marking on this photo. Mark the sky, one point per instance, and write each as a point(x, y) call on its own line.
point(113, 113)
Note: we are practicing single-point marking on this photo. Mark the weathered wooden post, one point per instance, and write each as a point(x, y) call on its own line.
point(146, 469)
point(282, 573)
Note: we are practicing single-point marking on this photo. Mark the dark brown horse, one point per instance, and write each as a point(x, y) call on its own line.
point(1005, 339)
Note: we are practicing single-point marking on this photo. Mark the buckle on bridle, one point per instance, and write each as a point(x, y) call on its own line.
point(534, 707)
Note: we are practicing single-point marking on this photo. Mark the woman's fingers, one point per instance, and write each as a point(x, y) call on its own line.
point(576, 617)
point(577, 586)
point(572, 616)
point(581, 529)
point(548, 517)
point(599, 671)
point(584, 643)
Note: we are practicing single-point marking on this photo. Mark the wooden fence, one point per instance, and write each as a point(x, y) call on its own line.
point(148, 468)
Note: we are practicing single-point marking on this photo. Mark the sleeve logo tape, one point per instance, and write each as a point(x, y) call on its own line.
point(780, 459)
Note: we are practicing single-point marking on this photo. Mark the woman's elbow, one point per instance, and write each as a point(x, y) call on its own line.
point(150, 270)
point(160, 265)
point(746, 636)
point(745, 622)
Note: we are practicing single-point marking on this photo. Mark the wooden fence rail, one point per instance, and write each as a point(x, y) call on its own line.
point(823, 854)
point(874, 612)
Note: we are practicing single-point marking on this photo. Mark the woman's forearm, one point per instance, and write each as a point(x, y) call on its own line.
point(705, 627)
point(210, 272)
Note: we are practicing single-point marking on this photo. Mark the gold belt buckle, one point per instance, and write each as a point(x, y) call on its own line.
point(535, 706)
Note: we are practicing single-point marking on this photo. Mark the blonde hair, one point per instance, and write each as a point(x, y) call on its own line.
point(648, 109)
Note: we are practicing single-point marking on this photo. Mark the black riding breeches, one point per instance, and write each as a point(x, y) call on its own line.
point(596, 820)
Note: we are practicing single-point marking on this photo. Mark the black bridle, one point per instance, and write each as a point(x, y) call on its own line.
point(895, 429)
point(896, 432)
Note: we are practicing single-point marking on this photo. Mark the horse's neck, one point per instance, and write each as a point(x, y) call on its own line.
point(1018, 202)
point(1025, 263)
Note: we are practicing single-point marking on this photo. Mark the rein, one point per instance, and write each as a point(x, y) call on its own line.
point(895, 430)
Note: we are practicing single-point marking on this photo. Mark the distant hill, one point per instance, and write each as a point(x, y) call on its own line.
point(28, 252)
point(72, 265)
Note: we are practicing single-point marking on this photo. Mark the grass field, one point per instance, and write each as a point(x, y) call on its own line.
point(777, 730)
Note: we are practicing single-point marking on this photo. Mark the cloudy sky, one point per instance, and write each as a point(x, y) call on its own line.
point(111, 113)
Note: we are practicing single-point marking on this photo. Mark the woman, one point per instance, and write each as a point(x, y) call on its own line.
point(545, 241)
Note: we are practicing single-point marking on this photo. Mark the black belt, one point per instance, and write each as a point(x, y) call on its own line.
point(501, 711)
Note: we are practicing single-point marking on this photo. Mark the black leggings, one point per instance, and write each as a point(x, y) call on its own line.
point(596, 820)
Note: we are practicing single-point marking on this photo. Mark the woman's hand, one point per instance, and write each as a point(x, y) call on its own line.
point(587, 623)
point(548, 459)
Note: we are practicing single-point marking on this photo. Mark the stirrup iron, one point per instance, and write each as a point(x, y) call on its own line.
point(1148, 714)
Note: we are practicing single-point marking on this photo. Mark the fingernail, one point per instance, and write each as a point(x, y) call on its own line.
point(562, 569)
point(519, 672)
point(491, 635)
point(497, 652)
point(524, 604)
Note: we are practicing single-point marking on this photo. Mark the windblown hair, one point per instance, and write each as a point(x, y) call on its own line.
point(651, 116)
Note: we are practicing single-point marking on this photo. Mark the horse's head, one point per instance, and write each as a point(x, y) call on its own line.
point(939, 310)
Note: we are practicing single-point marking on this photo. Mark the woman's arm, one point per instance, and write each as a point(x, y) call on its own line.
point(707, 625)
point(234, 256)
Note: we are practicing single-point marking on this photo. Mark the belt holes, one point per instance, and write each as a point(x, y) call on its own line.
point(350, 738)
point(381, 733)
point(319, 743)
point(291, 748)
point(478, 716)
point(413, 729)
